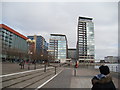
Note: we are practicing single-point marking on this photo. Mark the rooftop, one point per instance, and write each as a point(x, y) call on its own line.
point(71, 49)
point(13, 31)
point(57, 35)
point(85, 18)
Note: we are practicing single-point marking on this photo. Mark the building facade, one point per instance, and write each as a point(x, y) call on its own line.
point(72, 54)
point(14, 45)
point(85, 40)
point(58, 47)
point(40, 47)
point(111, 59)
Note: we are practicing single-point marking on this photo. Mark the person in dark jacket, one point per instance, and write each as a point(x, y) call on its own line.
point(103, 81)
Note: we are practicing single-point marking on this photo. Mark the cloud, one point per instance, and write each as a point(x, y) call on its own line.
point(0, 12)
point(45, 18)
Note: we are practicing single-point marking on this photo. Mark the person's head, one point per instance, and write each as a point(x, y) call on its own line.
point(104, 70)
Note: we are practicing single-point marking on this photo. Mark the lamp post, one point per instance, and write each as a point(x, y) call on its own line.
point(48, 61)
point(44, 63)
point(41, 57)
point(29, 60)
point(34, 64)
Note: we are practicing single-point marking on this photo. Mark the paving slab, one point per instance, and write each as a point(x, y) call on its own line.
point(63, 80)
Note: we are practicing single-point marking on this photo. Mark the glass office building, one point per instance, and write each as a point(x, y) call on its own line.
point(58, 47)
point(14, 45)
point(41, 46)
point(72, 54)
point(85, 40)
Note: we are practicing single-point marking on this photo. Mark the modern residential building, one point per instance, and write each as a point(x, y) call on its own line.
point(14, 45)
point(72, 54)
point(85, 40)
point(58, 47)
point(40, 47)
point(111, 59)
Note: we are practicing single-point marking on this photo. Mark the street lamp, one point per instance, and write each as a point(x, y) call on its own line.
point(48, 61)
point(44, 64)
point(41, 58)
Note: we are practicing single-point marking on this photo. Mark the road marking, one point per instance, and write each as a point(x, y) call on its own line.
point(48, 81)
point(22, 72)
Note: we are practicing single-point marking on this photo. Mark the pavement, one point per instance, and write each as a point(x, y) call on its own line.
point(63, 80)
point(65, 77)
point(8, 68)
point(15, 77)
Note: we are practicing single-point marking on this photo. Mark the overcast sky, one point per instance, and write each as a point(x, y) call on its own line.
point(44, 18)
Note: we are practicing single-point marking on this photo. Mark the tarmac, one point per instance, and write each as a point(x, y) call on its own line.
point(65, 77)
point(82, 79)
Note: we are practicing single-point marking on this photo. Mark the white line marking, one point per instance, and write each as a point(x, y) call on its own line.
point(48, 81)
point(22, 72)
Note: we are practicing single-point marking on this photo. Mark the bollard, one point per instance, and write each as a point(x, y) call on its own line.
point(45, 68)
point(74, 71)
point(55, 69)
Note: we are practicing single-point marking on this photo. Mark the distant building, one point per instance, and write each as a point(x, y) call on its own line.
point(72, 54)
point(58, 47)
point(85, 40)
point(111, 59)
point(41, 47)
point(14, 45)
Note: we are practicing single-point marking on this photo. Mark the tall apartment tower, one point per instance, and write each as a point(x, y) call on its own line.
point(85, 40)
